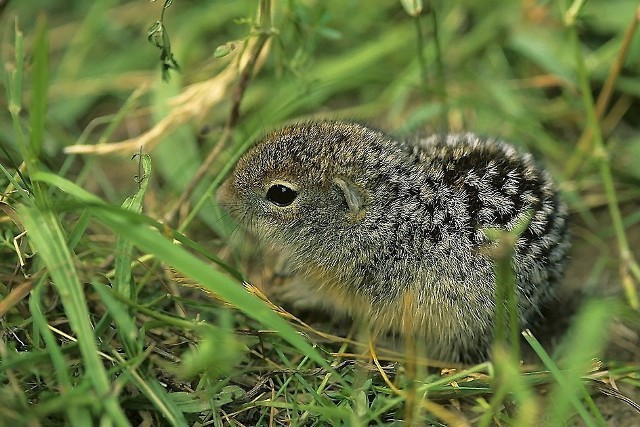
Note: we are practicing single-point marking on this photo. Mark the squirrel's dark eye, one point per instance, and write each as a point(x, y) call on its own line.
point(281, 195)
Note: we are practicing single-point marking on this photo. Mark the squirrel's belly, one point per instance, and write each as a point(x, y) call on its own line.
point(451, 328)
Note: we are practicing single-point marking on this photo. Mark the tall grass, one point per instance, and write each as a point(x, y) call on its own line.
point(123, 299)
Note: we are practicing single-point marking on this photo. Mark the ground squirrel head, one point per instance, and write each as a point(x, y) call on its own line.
point(307, 181)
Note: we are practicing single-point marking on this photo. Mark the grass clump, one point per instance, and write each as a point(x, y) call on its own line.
point(123, 300)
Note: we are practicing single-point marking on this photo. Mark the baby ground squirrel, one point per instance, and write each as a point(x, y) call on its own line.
point(392, 231)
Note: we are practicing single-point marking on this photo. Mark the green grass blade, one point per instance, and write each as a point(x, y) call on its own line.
point(122, 318)
point(124, 249)
point(66, 186)
point(163, 401)
point(567, 395)
point(45, 233)
point(584, 342)
point(77, 415)
point(78, 230)
point(40, 87)
point(30, 146)
point(26, 197)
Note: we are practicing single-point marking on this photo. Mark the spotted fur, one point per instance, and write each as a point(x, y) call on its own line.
point(411, 259)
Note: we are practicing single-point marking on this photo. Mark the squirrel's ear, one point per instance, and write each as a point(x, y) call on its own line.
point(354, 195)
